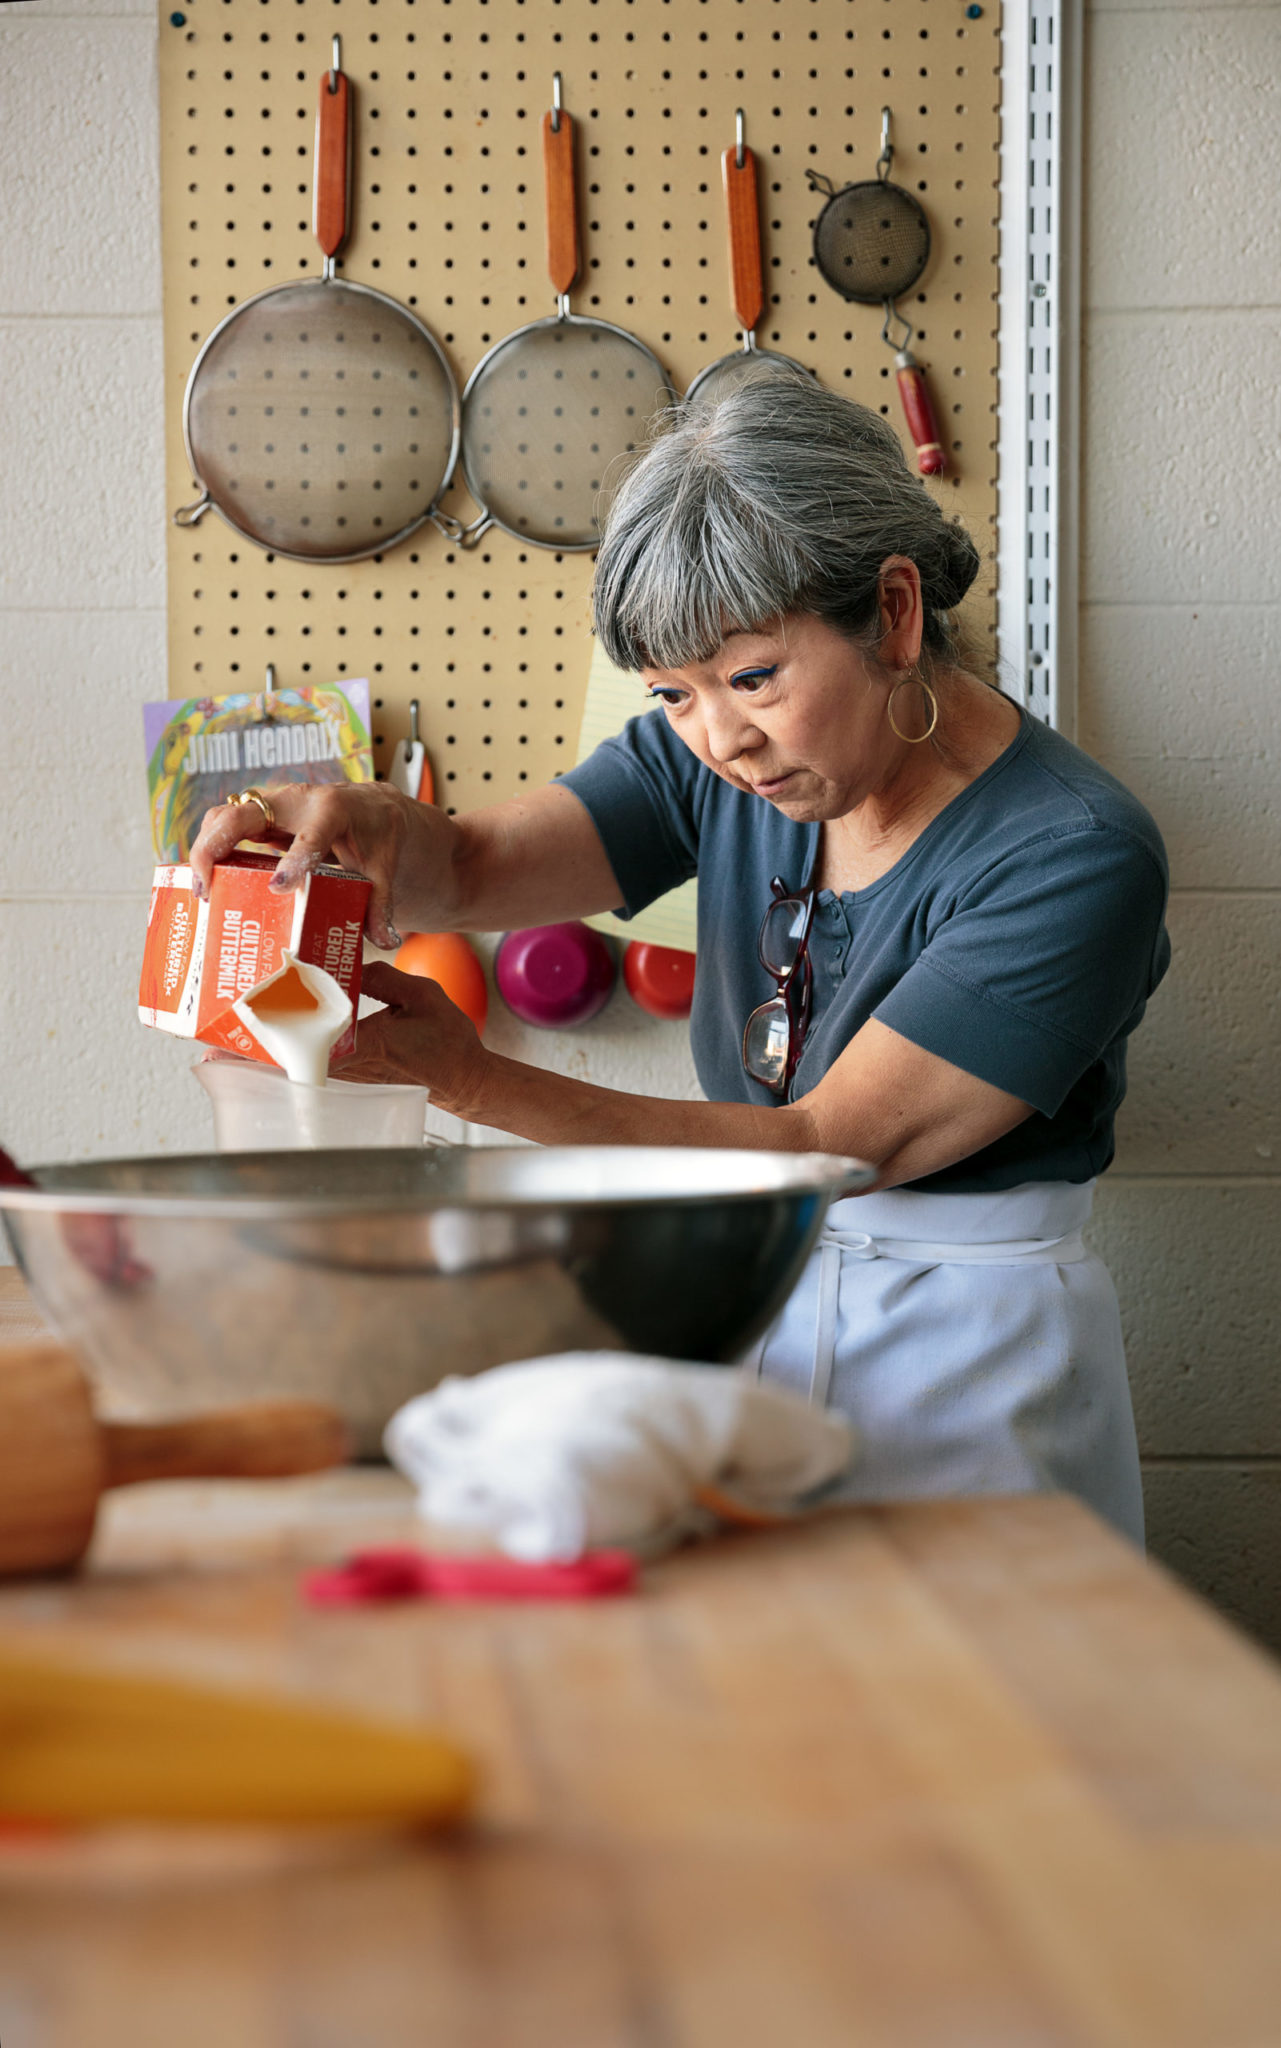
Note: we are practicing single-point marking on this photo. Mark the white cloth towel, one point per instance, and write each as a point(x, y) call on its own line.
point(554, 1456)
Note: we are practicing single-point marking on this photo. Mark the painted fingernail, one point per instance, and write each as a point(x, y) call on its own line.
point(393, 941)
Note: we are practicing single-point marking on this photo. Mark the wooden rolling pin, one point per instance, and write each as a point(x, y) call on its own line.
point(57, 1458)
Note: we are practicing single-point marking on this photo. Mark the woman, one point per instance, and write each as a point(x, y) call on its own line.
point(937, 920)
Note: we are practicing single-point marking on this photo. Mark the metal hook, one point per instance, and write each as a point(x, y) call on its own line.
point(556, 107)
point(413, 721)
point(335, 63)
point(188, 515)
point(891, 314)
point(270, 683)
point(886, 157)
point(738, 138)
point(446, 524)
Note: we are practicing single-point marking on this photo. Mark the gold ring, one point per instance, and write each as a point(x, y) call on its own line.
point(255, 796)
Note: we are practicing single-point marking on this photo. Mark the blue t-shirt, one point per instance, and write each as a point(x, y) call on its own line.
point(1019, 937)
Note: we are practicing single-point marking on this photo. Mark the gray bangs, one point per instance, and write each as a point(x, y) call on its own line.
point(781, 498)
point(686, 560)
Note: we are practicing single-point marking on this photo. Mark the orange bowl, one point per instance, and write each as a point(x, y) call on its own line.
point(446, 958)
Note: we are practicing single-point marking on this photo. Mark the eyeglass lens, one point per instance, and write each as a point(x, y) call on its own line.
point(766, 1042)
point(782, 930)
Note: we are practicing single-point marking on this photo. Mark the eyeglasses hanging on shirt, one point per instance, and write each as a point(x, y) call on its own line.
point(774, 1035)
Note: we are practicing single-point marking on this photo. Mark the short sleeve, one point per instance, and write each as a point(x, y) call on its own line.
point(642, 791)
point(1040, 965)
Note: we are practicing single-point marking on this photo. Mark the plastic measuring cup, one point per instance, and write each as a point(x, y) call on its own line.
point(259, 1109)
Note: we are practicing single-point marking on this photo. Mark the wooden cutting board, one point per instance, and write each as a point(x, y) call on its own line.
point(946, 1775)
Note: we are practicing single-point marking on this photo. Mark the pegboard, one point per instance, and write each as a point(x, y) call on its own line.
point(448, 217)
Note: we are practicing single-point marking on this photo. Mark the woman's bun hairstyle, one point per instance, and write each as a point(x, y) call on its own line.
point(959, 564)
point(782, 497)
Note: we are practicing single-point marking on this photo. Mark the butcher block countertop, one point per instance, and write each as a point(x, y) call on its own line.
point(946, 1775)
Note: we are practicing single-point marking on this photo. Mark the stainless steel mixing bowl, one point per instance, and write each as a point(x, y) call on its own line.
point(362, 1278)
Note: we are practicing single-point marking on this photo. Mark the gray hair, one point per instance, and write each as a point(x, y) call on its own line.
point(781, 498)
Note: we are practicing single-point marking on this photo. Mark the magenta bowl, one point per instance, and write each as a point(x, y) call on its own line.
point(555, 975)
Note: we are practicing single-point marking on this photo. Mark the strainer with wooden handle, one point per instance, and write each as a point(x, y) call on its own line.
point(553, 406)
point(747, 285)
point(321, 418)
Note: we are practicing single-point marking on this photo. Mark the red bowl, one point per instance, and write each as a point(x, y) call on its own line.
point(659, 978)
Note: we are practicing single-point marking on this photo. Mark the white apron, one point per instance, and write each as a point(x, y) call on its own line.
point(975, 1343)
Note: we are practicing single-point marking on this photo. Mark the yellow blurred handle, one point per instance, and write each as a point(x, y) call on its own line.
point(83, 1745)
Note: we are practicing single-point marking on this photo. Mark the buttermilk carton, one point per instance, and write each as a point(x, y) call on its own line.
point(201, 957)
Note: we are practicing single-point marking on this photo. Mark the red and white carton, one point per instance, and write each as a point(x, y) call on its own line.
point(201, 957)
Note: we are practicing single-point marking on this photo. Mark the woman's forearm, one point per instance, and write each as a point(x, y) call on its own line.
point(551, 1109)
point(536, 860)
point(910, 1114)
point(905, 1110)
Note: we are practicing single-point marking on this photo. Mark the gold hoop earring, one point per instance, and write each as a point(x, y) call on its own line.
point(908, 738)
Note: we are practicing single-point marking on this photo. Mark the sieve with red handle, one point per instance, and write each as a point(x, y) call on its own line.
point(871, 243)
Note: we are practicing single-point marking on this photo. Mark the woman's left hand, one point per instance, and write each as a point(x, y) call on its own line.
point(420, 1039)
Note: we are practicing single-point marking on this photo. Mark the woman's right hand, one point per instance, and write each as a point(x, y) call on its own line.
point(369, 828)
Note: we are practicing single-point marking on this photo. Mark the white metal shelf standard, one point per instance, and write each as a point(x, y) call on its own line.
point(1040, 298)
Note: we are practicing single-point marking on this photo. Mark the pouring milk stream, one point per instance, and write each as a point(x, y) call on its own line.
point(297, 1015)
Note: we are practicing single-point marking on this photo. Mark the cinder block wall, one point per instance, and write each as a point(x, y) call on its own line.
point(1181, 650)
point(82, 625)
point(1181, 626)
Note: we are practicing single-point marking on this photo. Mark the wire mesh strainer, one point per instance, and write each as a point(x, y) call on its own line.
point(551, 407)
point(872, 242)
point(738, 171)
point(321, 418)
